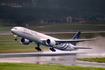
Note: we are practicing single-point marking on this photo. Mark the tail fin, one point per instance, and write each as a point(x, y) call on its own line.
point(76, 36)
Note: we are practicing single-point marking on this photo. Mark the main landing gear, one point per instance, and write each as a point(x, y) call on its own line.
point(38, 47)
point(52, 49)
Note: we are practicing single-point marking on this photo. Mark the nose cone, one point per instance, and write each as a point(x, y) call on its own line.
point(13, 30)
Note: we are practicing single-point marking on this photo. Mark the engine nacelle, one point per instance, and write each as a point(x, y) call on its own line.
point(25, 41)
point(50, 42)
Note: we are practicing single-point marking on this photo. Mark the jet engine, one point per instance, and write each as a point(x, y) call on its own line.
point(50, 42)
point(25, 41)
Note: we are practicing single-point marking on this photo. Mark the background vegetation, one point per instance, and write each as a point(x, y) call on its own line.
point(30, 11)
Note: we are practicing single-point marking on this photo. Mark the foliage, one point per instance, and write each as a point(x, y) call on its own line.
point(10, 66)
point(50, 9)
point(101, 60)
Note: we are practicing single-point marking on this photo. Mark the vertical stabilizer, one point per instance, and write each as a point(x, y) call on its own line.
point(76, 36)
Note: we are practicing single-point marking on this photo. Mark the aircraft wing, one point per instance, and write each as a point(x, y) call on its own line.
point(74, 40)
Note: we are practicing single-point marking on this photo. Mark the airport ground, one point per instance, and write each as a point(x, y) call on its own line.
point(59, 27)
point(49, 58)
point(8, 45)
point(11, 66)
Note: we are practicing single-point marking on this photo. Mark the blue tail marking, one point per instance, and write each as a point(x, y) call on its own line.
point(76, 37)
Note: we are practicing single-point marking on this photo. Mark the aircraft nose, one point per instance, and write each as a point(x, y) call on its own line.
point(12, 30)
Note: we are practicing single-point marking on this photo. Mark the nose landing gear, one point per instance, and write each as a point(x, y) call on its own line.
point(15, 37)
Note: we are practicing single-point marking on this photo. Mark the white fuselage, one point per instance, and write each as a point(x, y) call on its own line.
point(40, 38)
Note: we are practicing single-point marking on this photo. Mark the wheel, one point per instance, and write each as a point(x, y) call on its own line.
point(37, 48)
point(52, 49)
point(15, 39)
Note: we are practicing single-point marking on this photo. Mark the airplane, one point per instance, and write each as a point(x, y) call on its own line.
point(28, 36)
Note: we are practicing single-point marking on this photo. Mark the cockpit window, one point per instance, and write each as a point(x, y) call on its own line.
point(15, 28)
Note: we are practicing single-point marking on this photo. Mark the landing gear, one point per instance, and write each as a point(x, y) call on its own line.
point(15, 39)
point(38, 48)
point(52, 49)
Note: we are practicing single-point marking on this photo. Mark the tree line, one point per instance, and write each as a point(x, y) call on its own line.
point(50, 9)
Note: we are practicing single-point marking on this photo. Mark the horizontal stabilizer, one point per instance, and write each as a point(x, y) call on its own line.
point(74, 40)
point(82, 48)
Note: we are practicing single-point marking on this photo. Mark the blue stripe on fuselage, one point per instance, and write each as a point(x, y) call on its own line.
point(64, 45)
point(67, 46)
